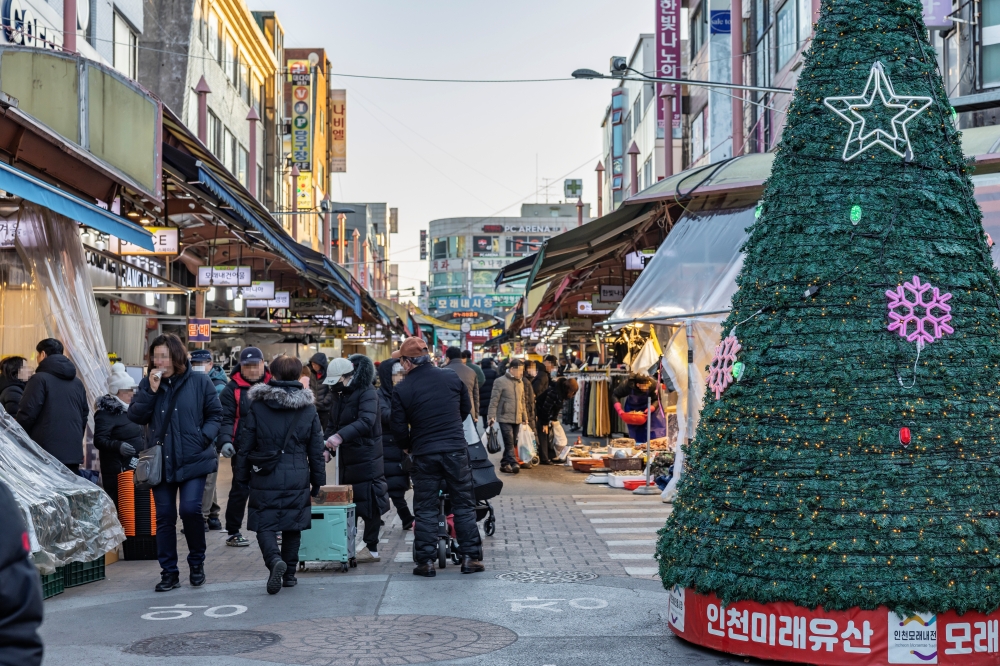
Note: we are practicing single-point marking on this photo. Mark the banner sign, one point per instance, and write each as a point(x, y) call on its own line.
point(281, 300)
point(263, 290)
point(611, 293)
point(165, 242)
point(636, 261)
point(301, 78)
point(338, 131)
point(223, 276)
point(199, 330)
point(786, 632)
point(465, 302)
point(668, 56)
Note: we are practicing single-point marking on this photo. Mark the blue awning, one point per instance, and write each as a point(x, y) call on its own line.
point(39, 192)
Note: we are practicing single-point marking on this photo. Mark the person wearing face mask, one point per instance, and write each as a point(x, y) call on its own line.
point(235, 400)
point(507, 408)
point(118, 439)
point(14, 374)
point(397, 462)
point(634, 395)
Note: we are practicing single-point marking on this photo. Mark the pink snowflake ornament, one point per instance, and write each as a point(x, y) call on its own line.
point(923, 312)
point(720, 371)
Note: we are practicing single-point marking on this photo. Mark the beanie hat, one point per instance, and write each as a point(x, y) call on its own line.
point(120, 380)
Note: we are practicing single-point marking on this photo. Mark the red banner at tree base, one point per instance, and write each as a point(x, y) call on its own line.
point(855, 637)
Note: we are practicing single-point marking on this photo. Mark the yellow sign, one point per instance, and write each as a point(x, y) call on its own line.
point(338, 131)
point(304, 192)
point(302, 132)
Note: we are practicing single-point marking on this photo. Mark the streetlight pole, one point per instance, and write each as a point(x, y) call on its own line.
point(295, 203)
point(668, 131)
point(633, 166)
point(600, 188)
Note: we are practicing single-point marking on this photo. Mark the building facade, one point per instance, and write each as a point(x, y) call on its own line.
point(369, 262)
point(465, 254)
point(273, 117)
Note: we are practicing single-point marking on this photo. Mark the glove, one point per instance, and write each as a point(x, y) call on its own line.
point(314, 490)
point(334, 441)
point(126, 449)
point(327, 456)
point(228, 450)
point(619, 408)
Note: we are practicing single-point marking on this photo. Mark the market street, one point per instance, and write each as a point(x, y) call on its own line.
point(599, 540)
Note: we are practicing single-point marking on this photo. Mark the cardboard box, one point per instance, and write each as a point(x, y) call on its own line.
point(334, 495)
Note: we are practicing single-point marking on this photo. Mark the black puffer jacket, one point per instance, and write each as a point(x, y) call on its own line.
point(11, 391)
point(112, 427)
point(20, 589)
point(354, 416)
point(397, 462)
point(282, 416)
point(486, 390)
point(53, 410)
point(428, 409)
point(322, 395)
point(187, 452)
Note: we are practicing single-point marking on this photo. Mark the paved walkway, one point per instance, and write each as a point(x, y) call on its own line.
point(570, 580)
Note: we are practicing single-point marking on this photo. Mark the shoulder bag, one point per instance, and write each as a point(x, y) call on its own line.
point(263, 463)
point(149, 464)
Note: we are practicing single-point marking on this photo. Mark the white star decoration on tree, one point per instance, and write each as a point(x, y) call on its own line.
point(861, 138)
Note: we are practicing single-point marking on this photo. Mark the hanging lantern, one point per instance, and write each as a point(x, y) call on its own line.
point(904, 436)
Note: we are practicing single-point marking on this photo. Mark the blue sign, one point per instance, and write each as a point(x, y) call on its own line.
point(720, 22)
point(464, 303)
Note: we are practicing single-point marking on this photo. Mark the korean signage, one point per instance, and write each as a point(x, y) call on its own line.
point(636, 261)
point(304, 195)
point(199, 330)
point(281, 300)
point(492, 263)
point(492, 228)
point(423, 245)
point(301, 78)
point(611, 293)
point(786, 632)
point(668, 55)
point(165, 242)
point(587, 308)
point(447, 265)
point(259, 290)
point(224, 276)
point(338, 131)
point(465, 314)
point(465, 302)
point(485, 246)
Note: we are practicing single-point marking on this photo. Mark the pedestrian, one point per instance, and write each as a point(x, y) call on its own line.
point(539, 376)
point(480, 380)
point(201, 361)
point(465, 373)
point(321, 392)
point(486, 390)
point(14, 374)
point(548, 409)
point(235, 399)
point(551, 363)
point(529, 407)
point(183, 413)
point(634, 395)
point(354, 434)
point(53, 410)
point(21, 606)
point(508, 410)
point(428, 409)
point(397, 462)
point(281, 433)
point(117, 438)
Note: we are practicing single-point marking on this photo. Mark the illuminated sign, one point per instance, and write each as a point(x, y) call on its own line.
point(223, 276)
point(280, 300)
point(259, 290)
point(465, 314)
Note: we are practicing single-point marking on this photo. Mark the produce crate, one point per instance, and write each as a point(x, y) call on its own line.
point(139, 548)
point(81, 573)
point(52, 584)
point(623, 464)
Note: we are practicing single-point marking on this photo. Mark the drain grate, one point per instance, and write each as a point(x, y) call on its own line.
point(537, 576)
point(204, 643)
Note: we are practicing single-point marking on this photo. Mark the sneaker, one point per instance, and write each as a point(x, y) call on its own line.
point(214, 524)
point(289, 579)
point(168, 581)
point(509, 469)
point(197, 575)
point(365, 556)
point(274, 581)
point(237, 541)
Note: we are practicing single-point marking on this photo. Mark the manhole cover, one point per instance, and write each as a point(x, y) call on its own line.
point(382, 639)
point(204, 643)
point(546, 576)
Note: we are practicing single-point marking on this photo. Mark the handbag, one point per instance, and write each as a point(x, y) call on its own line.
point(492, 439)
point(263, 463)
point(149, 464)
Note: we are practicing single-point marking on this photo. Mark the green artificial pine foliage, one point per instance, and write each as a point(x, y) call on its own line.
point(797, 487)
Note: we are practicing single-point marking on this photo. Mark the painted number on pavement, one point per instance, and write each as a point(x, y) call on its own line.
point(181, 611)
point(551, 605)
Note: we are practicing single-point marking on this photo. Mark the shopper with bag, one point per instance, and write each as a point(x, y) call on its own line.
point(639, 393)
point(117, 438)
point(397, 462)
point(183, 413)
point(280, 460)
point(548, 408)
point(507, 408)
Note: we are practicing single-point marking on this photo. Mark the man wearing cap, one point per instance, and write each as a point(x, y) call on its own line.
point(201, 361)
point(428, 409)
point(235, 400)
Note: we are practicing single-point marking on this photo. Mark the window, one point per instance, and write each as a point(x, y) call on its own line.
point(698, 136)
point(255, 95)
point(260, 183)
point(991, 43)
point(229, 150)
point(805, 20)
point(214, 134)
point(447, 280)
point(450, 247)
point(520, 246)
point(245, 79)
point(242, 165)
point(125, 47)
point(482, 281)
point(699, 29)
point(647, 174)
point(787, 35)
point(229, 65)
point(213, 35)
point(636, 113)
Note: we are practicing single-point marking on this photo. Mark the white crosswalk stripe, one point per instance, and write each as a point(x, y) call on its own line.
point(642, 571)
point(631, 542)
point(627, 530)
point(608, 512)
point(631, 556)
point(618, 521)
point(403, 556)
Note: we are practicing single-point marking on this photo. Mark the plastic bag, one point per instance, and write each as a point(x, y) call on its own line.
point(559, 440)
point(527, 449)
point(492, 439)
point(471, 431)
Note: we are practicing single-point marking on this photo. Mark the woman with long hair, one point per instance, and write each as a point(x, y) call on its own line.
point(14, 375)
point(182, 410)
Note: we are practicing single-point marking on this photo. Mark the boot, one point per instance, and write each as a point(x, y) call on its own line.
point(426, 569)
point(168, 581)
point(197, 575)
point(470, 565)
point(289, 579)
point(408, 523)
point(274, 581)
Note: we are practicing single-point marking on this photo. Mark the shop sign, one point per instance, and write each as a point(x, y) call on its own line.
point(526, 332)
point(119, 307)
point(492, 228)
point(480, 334)
point(223, 276)
point(636, 261)
point(199, 330)
point(492, 263)
point(668, 55)
point(573, 188)
point(281, 300)
point(466, 314)
point(720, 23)
point(531, 229)
point(8, 231)
point(335, 332)
point(611, 293)
point(338, 131)
point(259, 290)
point(301, 79)
point(447, 265)
point(463, 302)
point(937, 14)
point(126, 274)
point(28, 23)
point(580, 324)
point(166, 241)
point(309, 305)
point(587, 308)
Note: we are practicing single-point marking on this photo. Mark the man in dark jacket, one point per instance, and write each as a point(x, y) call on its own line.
point(397, 462)
point(486, 390)
point(355, 433)
point(321, 392)
point(53, 410)
point(465, 373)
point(480, 377)
point(20, 590)
point(548, 408)
point(428, 409)
point(235, 399)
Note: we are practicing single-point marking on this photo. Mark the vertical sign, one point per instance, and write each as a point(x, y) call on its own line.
point(668, 55)
point(199, 330)
point(338, 131)
point(423, 244)
point(301, 79)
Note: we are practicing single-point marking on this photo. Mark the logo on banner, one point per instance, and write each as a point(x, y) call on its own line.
point(675, 608)
point(913, 639)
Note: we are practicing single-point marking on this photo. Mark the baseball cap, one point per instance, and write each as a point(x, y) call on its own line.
point(338, 368)
point(413, 348)
point(251, 355)
point(201, 356)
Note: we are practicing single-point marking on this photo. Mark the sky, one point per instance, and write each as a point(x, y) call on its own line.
point(436, 150)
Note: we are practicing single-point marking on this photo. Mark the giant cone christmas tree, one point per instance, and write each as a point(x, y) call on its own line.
point(856, 462)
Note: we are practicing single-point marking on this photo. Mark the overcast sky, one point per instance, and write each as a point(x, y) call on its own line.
point(438, 150)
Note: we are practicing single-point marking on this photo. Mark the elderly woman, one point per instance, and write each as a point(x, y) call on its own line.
point(118, 439)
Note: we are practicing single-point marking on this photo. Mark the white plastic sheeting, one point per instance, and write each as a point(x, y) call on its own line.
point(69, 519)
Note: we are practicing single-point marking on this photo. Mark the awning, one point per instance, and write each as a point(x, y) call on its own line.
point(39, 192)
point(515, 271)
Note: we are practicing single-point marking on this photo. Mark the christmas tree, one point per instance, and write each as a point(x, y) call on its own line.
point(855, 461)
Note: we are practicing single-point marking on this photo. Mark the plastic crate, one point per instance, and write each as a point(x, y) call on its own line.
point(139, 548)
point(52, 584)
point(331, 537)
point(81, 573)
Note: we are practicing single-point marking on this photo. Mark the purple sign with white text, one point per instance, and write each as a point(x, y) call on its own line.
point(668, 54)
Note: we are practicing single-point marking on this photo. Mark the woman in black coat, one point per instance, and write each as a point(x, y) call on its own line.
point(282, 417)
point(486, 390)
point(11, 383)
point(397, 462)
point(117, 438)
point(355, 433)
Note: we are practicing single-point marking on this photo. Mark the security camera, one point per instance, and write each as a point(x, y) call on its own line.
point(619, 66)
